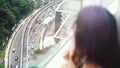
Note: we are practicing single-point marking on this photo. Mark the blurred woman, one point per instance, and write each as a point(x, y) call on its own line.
point(95, 40)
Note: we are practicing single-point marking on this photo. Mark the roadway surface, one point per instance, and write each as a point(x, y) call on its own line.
point(17, 46)
point(17, 42)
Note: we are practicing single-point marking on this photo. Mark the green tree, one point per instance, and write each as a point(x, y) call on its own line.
point(16, 11)
point(10, 13)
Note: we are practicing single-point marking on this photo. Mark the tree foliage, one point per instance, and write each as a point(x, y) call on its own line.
point(10, 13)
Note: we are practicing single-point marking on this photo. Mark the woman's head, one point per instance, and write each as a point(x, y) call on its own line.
point(96, 36)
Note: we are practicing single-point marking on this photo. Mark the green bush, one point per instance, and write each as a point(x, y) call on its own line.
point(2, 54)
point(11, 11)
point(2, 65)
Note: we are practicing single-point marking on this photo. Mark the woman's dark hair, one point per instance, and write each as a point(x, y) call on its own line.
point(96, 37)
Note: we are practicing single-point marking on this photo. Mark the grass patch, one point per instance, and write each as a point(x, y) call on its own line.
point(43, 51)
point(2, 54)
point(2, 65)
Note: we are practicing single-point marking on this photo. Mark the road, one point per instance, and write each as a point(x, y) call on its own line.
point(32, 37)
point(18, 44)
